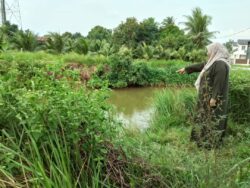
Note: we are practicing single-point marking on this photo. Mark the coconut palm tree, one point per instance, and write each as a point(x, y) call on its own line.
point(197, 27)
point(170, 20)
point(81, 46)
point(55, 43)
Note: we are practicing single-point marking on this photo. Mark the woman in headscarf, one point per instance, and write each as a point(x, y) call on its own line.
point(212, 87)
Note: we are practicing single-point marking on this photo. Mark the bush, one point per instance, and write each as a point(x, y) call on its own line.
point(239, 95)
point(143, 74)
point(173, 78)
point(120, 68)
point(196, 55)
point(53, 132)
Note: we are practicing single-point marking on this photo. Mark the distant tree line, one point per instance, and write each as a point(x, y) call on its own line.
point(143, 40)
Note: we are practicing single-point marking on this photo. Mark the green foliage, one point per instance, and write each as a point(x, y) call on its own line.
point(99, 33)
point(145, 40)
point(197, 27)
point(4, 44)
point(83, 59)
point(8, 30)
point(196, 55)
point(168, 21)
point(122, 72)
point(144, 75)
point(165, 145)
point(81, 46)
point(126, 33)
point(55, 132)
point(147, 51)
point(25, 40)
point(239, 104)
point(229, 46)
point(171, 77)
point(120, 67)
point(148, 31)
point(55, 43)
point(106, 49)
point(174, 107)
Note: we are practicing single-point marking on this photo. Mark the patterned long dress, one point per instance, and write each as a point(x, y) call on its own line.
point(211, 122)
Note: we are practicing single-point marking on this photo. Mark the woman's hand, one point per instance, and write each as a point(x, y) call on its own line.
point(212, 102)
point(181, 71)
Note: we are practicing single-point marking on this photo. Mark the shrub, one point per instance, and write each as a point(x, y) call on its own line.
point(196, 55)
point(120, 68)
point(55, 132)
point(239, 95)
point(81, 46)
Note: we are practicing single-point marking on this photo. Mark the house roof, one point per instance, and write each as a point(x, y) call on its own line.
point(235, 43)
point(243, 41)
point(42, 39)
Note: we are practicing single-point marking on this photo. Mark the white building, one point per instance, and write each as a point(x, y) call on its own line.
point(241, 52)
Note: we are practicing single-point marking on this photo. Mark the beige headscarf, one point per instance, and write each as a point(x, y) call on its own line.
point(217, 52)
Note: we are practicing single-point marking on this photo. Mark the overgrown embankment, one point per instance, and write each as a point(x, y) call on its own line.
point(56, 133)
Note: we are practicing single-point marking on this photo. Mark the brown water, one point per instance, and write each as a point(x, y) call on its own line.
point(134, 105)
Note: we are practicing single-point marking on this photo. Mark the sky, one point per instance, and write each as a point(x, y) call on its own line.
point(43, 16)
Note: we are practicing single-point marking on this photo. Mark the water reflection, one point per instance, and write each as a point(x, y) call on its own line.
point(134, 105)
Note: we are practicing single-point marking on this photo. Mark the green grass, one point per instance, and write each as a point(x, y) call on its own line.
point(166, 146)
point(29, 57)
point(164, 63)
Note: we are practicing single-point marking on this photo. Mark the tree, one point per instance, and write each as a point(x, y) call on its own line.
point(4, 44)
point(7, 32)
point(67, 35)
point(148, 31)
point(106, 48)
point(197, 27)
point(80, 46)
point(25, 40)
point(9, 29)
point(229, 46)
point(77, 35)
point(99, 33)
point(148, 51)
point(55, 43)
point(171, 36)
point(126, 33)
point(167, 22)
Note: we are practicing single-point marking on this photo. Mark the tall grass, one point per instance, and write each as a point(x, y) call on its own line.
point(166, 146)
point(52, 166)
point(50, 58)
point(174, 107)
point(84, 59)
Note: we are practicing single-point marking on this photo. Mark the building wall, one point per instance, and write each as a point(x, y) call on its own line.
point(239, 52)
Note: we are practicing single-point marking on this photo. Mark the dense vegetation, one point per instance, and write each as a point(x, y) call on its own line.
point(166, 144)
point(57, 129)
point(53, 132)
point(144, 39)
point(56, 132)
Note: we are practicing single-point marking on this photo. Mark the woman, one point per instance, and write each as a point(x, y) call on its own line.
point(212, 86)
